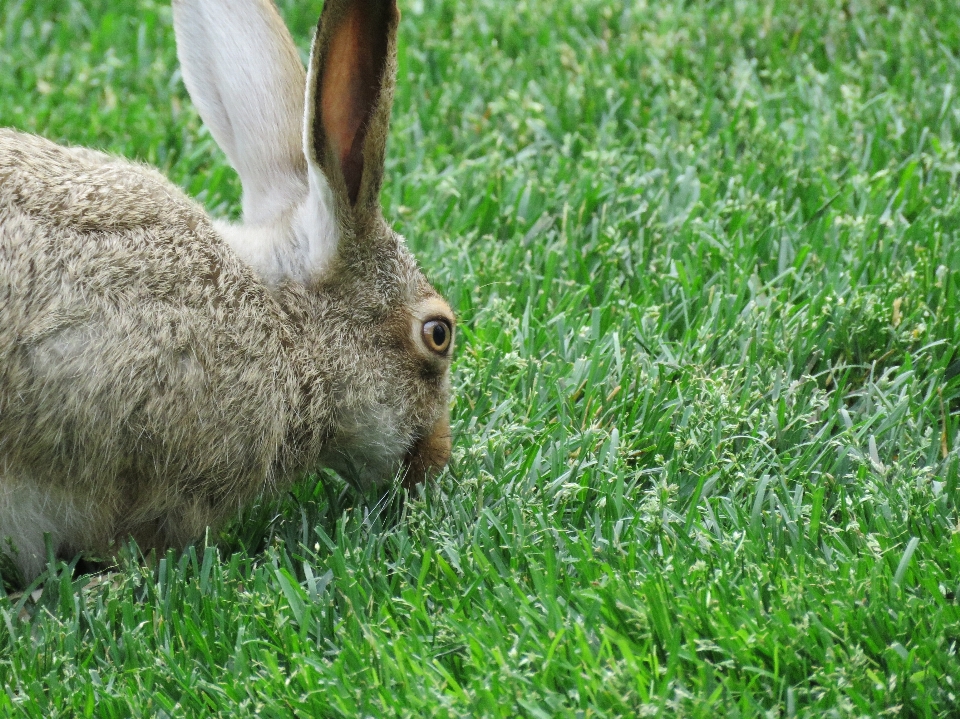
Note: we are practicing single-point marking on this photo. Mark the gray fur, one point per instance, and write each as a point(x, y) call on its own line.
point(152, 382)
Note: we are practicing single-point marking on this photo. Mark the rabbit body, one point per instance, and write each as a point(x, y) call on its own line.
point(175, 410)
point(156, 374)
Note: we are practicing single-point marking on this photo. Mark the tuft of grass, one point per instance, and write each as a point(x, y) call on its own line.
point(706, 261)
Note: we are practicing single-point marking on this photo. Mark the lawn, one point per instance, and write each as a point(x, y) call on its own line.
point(706, 260)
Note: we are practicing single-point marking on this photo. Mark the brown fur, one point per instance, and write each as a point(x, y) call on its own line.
point(151, 381)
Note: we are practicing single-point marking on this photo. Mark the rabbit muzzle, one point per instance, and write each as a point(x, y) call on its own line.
point(428, 455)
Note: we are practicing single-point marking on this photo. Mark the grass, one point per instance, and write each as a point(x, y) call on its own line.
point(707, 414)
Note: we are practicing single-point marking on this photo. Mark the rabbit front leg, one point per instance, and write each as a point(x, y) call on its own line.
point(30, 512)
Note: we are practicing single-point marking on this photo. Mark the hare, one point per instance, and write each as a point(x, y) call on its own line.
point(159, 369)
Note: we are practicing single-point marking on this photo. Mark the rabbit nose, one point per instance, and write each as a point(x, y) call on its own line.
point(428, 455)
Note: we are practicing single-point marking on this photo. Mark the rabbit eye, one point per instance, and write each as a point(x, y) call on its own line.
point(437, 335)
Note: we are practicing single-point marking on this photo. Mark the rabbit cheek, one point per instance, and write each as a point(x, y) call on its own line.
point(428, 455)
point(367, 445)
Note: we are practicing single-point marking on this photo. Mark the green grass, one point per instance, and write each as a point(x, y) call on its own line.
point(706, 261)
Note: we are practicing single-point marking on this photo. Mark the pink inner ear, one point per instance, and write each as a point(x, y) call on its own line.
point(350, 86)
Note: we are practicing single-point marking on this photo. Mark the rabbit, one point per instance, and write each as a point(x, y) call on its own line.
point(160, 370)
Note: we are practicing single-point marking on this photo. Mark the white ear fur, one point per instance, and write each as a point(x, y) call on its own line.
point(245, 77)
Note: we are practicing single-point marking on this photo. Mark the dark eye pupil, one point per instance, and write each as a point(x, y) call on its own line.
point(439, 334)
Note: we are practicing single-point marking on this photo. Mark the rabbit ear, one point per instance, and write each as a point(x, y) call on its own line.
point(350, 85)
point(246, 79)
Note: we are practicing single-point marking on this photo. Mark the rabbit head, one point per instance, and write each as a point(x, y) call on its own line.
point(374, 339)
